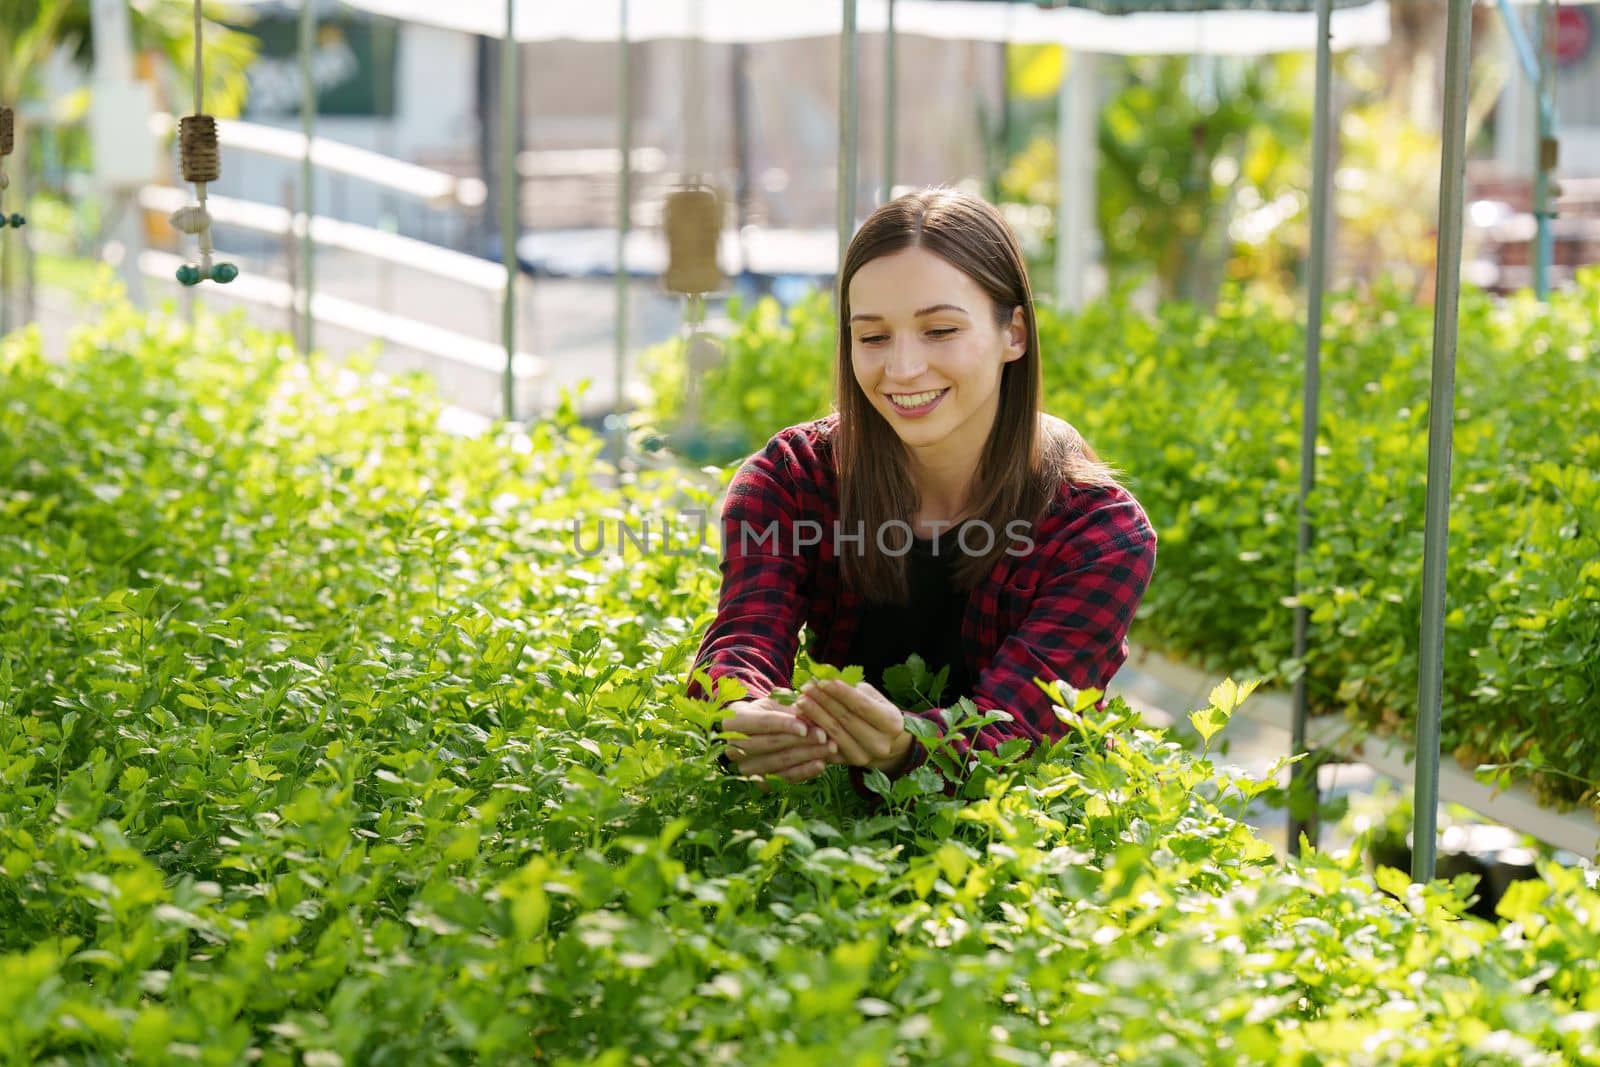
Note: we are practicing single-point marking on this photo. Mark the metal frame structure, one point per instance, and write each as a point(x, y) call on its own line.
point(1447, 288)
point(1441, 425)
point(1447, 285)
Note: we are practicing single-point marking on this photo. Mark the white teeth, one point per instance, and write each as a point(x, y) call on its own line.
point(914, 400)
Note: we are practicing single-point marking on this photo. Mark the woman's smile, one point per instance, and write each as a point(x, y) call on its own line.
point(915, 405)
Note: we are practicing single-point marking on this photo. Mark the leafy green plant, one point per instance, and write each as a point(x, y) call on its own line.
point(782, 362)
point(320, 743)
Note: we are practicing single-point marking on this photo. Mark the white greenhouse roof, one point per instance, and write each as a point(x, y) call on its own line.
point(1211, 32)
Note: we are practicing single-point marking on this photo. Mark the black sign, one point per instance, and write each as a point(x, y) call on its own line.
point(352, 66)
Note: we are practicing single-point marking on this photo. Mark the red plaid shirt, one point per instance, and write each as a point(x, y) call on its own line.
point(1061, 611)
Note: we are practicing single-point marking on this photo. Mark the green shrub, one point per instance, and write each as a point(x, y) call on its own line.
point(320, 743)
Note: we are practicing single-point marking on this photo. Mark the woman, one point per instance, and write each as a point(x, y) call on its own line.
point(937, 510)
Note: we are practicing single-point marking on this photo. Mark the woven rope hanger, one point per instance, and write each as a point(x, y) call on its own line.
point(692, 218)
point(202, 163)
point(8, 134)
point(692, 213)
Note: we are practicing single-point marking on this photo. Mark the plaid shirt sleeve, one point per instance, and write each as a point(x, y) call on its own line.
point(1090, 581)
point(761, 606)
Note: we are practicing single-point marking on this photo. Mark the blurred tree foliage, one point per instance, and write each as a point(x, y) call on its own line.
point(31, 31)
point(1188, 148)
point(1205, 166)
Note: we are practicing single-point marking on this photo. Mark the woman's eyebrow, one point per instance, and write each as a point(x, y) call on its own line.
point(916, 314)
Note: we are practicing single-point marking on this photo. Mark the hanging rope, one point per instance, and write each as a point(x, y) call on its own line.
point(202, 163)
point(8, 134)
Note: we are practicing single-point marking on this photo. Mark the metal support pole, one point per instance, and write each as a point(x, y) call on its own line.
point(1441, 426)
point(741, 151)
point(291, 265)
point(847, 134)
point(890, 90)
point(1304, 777)
point(113, 73)
point(1534, 59)
point(624, 220)
point(308, 123)
point(1544, 158)
point(1076, 153)
point(508, 206)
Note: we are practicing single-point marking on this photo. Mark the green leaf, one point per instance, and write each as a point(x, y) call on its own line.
point(1208, 721)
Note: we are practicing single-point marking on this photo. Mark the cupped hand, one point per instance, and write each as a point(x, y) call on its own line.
point(866, 725)
point(777, 741)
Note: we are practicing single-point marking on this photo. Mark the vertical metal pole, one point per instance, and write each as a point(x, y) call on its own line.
point(24, 194)
point(1441, 426)
point(113, 73)
point(1304, 778)
point(383, 43)
point(20, 191)
point(696, 137)
point(1005, 115)
point(1076, 153)
point(847, 134)
point(741, 149)
point(291, 265)
point(624, 220)
point(5, 284)
point(308, 120)
point(508, 205)
point(890, 91)
point(1543, 161)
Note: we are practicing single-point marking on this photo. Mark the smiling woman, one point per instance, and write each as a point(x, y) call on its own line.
point(937, 426)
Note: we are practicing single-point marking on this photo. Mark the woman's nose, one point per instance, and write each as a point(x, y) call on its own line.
point(904, 362)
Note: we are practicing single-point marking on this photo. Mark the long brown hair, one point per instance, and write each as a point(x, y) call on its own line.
point(1023, 465)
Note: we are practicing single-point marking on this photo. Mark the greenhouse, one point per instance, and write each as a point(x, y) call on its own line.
point(411, 416)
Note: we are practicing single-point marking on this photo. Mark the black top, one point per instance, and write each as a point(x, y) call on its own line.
point(929, 624)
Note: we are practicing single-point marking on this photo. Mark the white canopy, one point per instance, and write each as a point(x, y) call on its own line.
point(1202, 33)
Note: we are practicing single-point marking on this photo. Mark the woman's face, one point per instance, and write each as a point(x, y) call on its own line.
point(926, 351)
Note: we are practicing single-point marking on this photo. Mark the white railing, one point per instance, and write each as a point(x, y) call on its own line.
point(434, 186)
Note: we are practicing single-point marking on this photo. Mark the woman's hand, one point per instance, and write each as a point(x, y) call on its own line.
point(869, 730)
point(779, 742)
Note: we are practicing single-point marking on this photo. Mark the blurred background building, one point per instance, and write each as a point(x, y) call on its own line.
point(1200, 171)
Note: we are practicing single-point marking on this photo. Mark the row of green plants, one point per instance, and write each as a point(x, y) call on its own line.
point(320, 743)
point(1203, 410)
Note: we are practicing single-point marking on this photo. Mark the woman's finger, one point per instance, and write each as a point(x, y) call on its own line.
point(843, 726)
point(831, 722)
point(753, 720)
point(762, 744)
point(783, 762)
point(802, 773)
point(872, 706)
point(770, 704)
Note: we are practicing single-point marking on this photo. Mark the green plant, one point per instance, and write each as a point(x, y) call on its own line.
point(320, 743)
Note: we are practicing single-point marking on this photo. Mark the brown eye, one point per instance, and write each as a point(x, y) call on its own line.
point(942, 331)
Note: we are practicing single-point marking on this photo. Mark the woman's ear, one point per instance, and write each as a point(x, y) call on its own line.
point(1016, 334)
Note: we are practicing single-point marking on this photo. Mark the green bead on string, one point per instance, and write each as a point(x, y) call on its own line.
point(221, 273)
